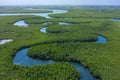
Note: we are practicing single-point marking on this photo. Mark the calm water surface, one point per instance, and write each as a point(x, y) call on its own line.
point(4, 41)
point(64, 23)
point(118, 20)
point(21, 23)
point(21, 58)
point(101, 39)
point(43, 30)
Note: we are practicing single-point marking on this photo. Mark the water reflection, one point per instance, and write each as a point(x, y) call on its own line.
point(43, 29)
point(101, 39)
point(4, 41)
point(20, 23)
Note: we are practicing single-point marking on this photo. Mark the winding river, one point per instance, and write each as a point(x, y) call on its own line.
point(100, 39)
point(21, 57)
point(46, 15)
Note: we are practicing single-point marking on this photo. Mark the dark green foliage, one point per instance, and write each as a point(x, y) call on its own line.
point(10, 10)
point(48, 51)
point(90, 13)
point(56, 71)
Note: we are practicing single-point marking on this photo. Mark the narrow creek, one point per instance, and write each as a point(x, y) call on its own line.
point(64, 23)
point(21, 57)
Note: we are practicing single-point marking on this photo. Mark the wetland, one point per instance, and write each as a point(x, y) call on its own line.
point(76, 43)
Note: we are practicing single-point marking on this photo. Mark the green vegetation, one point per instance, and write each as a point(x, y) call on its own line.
point(16, 10)
point(56, 71)
point(75, 42)
point(90, 13)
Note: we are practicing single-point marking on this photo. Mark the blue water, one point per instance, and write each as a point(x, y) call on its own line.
point(63, 23)
point(118, 20)
point(21, 58)
point(101, 39)
point(84, 72)
point(20, 23)
point(43, 30)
